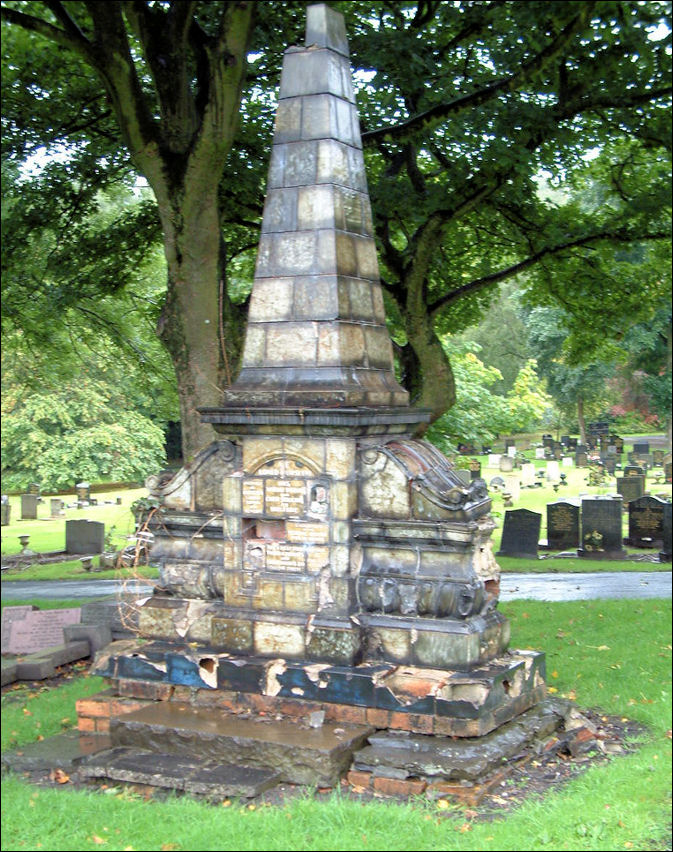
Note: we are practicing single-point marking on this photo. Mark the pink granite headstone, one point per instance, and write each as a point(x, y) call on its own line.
point(39, 629)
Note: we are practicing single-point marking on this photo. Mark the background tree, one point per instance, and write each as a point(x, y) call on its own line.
point(463, 106)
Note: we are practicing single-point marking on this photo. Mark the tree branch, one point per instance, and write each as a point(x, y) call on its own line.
point(531, 260)
point(47, 30)
point(438, 113)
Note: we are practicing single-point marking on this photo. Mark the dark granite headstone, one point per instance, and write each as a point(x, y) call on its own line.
point(84, 536)
point(610, 464)
point(634, 470)
point(572, 443)
point(520, 534)
point(641, 448)
point(6, 509)
point(646, 522)
point(565, 440)
point(29, 507)
point(563, 525)
point(475, 469)
point(602, 536)
point(547, 441)
point(665, 553)
point(631, 487)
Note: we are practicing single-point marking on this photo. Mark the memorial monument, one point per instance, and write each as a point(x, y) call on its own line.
point(318, 558)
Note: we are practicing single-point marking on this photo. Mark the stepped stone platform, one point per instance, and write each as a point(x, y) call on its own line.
point(445, 702)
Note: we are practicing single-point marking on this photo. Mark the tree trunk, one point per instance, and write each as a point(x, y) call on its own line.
point(197, 324)
point(427, 373)
point(580, 420)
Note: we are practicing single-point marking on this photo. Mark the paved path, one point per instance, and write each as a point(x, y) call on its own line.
point(540, 587)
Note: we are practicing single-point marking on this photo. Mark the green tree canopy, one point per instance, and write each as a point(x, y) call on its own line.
point(464, 105)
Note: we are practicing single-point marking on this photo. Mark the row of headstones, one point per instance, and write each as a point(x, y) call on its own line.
point(592, 525)
point(57, 506)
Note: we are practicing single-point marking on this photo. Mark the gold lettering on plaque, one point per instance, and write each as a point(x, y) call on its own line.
point(307, 533)
point(253, 497)
point(284, 557)
point(285, 497)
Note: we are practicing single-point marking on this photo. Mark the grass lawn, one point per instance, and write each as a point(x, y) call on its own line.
point(611, 655)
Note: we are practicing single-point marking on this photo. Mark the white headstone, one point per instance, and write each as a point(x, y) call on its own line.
point(527, 475)
point(539, 452)
point(553, 471)
point(567, 461)
point(512, 485)
point(494, 460)
point(511, 451)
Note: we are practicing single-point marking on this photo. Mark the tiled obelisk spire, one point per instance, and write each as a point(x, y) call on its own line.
point(316, 330)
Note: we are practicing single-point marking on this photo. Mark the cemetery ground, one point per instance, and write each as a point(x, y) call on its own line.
point(611, 657)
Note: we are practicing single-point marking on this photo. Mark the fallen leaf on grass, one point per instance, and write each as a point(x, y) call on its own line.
point(97, 839)
point(59, 776)
point(466, 826)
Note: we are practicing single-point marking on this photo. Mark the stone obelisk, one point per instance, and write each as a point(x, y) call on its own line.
point(316, 334)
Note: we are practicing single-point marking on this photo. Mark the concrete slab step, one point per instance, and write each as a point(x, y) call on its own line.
point(175, 772)
point(301, 754)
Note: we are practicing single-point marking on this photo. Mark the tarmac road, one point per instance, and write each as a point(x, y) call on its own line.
point(539, 587)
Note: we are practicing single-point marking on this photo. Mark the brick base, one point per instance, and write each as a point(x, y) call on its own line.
point(124, 696)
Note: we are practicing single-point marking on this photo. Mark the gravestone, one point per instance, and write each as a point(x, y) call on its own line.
point(565, 440)
point(581, 458)
point(83, 491)
point(641, 448)
point(668, 472)
point(610, 464)
point(539, 452)
point(528, 475)
point(84, 536)
point(548, 441)
point(29, 507)
point(37, 629)
point(567, 461)
point(658, 457)
point(646, 522)
point(506, 464)
point(619, 444)
point(11, 614)
point(665, 553)
point(34, 488)
point(6, 510)
point(631, 487)
point(601, 523)
point(634, 470)
point(513, 487)
point(497, 483)
point(520, 534)
point(572, 444)
point(475, 469)
point(563, 525)
point(553, 473)
point(56, 507)
point(511, 451)
point(509, 442)
point(494, 460)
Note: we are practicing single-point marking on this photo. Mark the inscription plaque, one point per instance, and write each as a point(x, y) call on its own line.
point(601, 528)
point(520, 534)
point(563, 525)
point(646, 522)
